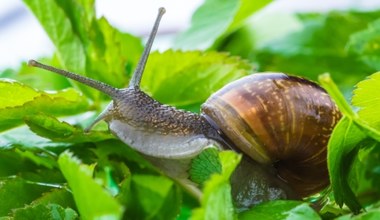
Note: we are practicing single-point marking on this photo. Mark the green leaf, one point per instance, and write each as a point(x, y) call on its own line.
point(342, 148)
point(122, 52)
point(153, 197)
point(278, 210)
point(39, 175)
point(206, 27)
point(60, 30)
point(108, 51)
point(25, 192)
point(50, 127)
point(19, 100)
point(91, 199)
point(33, 76)
point(204, 165)
point(14, 94)
point(12, 163)
point(246, 9)
point(364, 177)
point(367, 98)
point(38, 158)
point(33, 165)
point(344, 107)
point(60, 197)
point(24, 138)
point(187, 78)
point(216, 18)
point(372, 213)
point(366, 43)
point(349, 136)
point(48, 212)
point(305, 42)
point(217, 201)
point(85, 44)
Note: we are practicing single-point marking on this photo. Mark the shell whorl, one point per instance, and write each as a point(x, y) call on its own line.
point(281, 120)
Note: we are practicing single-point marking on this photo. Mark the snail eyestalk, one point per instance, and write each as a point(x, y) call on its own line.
point(100, 117)
point(136, 78)
point(103, 87)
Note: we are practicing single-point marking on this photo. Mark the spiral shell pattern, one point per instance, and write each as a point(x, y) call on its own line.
point(279, 120)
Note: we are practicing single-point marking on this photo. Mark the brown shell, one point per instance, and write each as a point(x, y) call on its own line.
point(281, 120)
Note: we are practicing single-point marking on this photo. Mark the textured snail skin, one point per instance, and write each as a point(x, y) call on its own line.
point(279, 120)
point(253, 183)
point(155, 129)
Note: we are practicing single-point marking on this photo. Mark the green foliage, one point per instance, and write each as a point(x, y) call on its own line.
point(190, 77)
point(350, 140)
point(50, 127)
point(217, 200)
point(48, 212)
point(214, 19)
point(366, 98)
point(85, 44)
point(26, 193)
point(153, 198)
point(204, 165)
point(345, 138)
point(371, 213)
point(302, 44)
point(366, 44)
point(92, 200)
point(281, 210)
point(19, 100)
point(32, 76)
point(42, 115)
point(364, 177)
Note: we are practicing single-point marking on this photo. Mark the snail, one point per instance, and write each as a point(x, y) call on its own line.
point(280, 123)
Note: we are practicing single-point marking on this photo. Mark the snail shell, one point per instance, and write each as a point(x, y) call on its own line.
point(279, 120)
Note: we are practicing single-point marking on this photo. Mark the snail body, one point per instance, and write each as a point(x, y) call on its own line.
point(280, 123)
point(155, 129)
